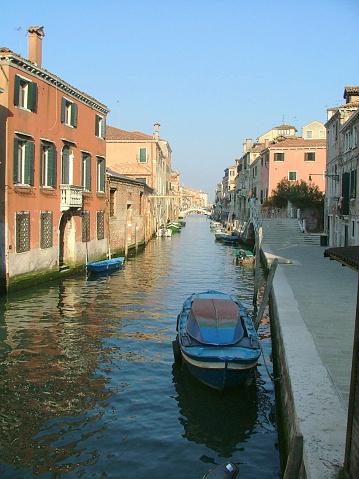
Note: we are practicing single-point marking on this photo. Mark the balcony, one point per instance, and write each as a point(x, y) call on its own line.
point(71, 197)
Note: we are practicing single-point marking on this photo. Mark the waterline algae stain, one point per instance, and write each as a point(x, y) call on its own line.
point(88, 384)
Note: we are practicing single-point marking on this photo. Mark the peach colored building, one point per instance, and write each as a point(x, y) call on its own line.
point(52, 171)
point(294, 159)
point(144, 158)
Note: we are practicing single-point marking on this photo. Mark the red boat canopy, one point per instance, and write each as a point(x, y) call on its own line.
point(215, 321)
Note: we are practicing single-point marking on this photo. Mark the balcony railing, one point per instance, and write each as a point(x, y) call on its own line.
point(71, 197)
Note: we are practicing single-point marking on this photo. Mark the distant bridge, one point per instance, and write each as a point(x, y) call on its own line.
point(194, 210)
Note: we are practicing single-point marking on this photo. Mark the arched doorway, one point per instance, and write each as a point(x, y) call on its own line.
point(64, 233)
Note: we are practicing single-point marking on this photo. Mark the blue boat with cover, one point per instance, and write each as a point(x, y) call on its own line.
point(216, 339)
point(105, 265)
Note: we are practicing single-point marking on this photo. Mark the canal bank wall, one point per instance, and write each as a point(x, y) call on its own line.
point(312, 321)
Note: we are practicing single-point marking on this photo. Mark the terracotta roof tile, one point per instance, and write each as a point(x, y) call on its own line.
point(351, 89)
point(113, 133)
point(298, 143)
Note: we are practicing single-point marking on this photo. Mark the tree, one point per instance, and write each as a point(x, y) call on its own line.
point(299, 193)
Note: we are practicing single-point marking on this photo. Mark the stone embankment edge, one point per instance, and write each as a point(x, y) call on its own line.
point(307, 403)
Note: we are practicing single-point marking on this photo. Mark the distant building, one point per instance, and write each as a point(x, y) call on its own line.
point(144, 158)
point(278, 154)
point(52, 171)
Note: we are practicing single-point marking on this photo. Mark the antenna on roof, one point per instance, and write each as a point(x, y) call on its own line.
point(19, 30)
point(283, 119)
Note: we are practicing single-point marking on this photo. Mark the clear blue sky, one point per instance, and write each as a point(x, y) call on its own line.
point(211, 72)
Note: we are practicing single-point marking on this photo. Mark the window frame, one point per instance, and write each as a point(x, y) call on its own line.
point(296, 175)
point(69, 112)
point(86, 177)
point(140, 155)
point(46, 229)
point(22, 231)
point(100, 127)
point(48, 165)
point(24, 161)
point(100, 174)
point(25, 93)
point(277, 155)
point(307, 155)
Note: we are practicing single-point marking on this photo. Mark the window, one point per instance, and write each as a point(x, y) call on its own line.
point(68, 113)
point(278, 156)
point(25, 95)
point(347, 140)
point(112, 201)
point(22, 240)
point(100, 175)
point(353, 184)
point(309, 134)
point(45, 229)
point(309, 156)
point(100, 126)
point(100, 225)
point(143, 155)
point(86, 171)
point(23, 162)
point(142, 180)
point(85, 226)
point(48, 164)
point(66, 166)
point(292, 175)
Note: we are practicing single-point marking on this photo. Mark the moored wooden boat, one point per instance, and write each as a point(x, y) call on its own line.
point(229, 238)
point(216, 339)
point(105, 265)
point(175, 228)
point(243, 256)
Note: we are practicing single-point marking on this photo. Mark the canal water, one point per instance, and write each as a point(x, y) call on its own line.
point(88, 384)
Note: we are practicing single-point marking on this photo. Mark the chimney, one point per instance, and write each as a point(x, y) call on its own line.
point(35, 45)
point(155, 135)
point(266, 143)
point(248, 143)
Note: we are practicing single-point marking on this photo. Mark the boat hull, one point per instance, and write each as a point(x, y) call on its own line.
point(221, 374)
point(103, 266)
point(221, 356)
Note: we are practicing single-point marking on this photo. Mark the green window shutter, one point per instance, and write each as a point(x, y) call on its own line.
point(103, 128)
point(88, 173)
point(74, 114)
point(97, 125)
point(65, 166)
point(29, 163)
point(17, 90)
point(63, 109)
point(143, 152)
point(52, 166)
point(32, 97)
point(101, 173)
point(16, 161)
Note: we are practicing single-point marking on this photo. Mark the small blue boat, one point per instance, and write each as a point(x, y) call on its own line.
point(216, 339)
point(105, 265)
point(229, 238)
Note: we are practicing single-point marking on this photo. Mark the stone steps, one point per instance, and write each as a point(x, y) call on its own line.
point(284, 231)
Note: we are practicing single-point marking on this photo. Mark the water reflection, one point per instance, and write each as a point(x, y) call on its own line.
point(87, 384)
point(220, 421)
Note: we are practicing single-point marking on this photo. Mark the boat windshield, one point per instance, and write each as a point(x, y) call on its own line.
point(215, 321)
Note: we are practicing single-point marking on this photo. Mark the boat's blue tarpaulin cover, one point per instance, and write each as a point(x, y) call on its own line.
point(215, 321)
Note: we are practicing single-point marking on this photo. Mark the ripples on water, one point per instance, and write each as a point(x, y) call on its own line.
point(88, 385)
